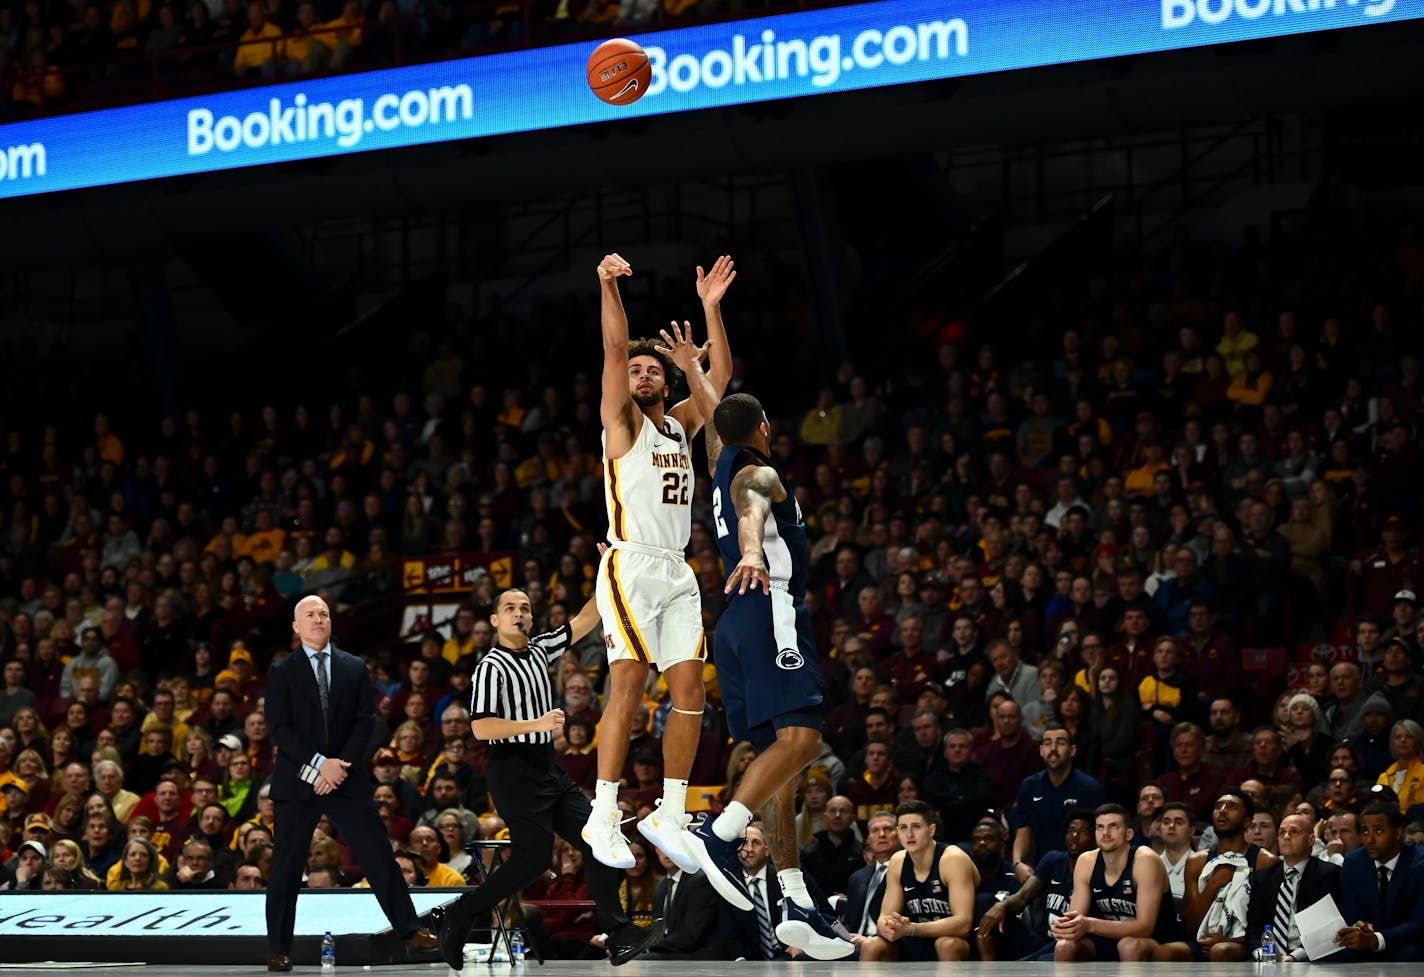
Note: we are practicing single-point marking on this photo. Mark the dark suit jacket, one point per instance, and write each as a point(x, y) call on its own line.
point(294, 722)
point(738, 930)
point(856, 896)
point(1401, 919)
point(1317, 880)
point(691, 919)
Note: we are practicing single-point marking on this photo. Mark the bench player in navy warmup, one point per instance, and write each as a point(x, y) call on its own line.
point(766, 664)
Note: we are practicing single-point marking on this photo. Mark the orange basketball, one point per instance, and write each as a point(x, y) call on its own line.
point(619, 71)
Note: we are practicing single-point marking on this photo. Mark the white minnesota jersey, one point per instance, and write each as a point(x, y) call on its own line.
point(649, 489)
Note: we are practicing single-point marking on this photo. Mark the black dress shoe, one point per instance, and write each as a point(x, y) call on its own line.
point(454, 927)
point(422, 941)
point(278, 963)
point(633, 941)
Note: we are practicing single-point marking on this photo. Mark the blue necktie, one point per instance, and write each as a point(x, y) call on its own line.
point(768, 946)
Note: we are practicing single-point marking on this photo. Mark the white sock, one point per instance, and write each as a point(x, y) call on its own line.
point(605, 797)
point(793, 887)
point(732, 821)
point(674, 798)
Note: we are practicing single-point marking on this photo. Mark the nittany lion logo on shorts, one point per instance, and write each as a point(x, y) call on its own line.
point(789, 659)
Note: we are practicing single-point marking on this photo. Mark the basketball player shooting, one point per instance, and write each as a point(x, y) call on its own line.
point(647, 593)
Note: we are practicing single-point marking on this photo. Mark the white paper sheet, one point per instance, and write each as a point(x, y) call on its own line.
point(1318, 925)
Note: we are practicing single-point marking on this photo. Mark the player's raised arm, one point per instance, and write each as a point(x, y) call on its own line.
point(616, 405)
point(711, 286)
point(688, 357)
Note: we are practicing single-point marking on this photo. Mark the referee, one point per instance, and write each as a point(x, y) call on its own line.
point(512, 709)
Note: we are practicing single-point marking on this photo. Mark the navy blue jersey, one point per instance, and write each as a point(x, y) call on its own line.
point(1117, 901)
point(925, 899)
point(1056, 874)
point(787, 554)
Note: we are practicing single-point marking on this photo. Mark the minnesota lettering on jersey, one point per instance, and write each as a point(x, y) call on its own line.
point(670, 459)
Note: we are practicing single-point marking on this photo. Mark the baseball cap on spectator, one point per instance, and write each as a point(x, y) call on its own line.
point(37, 846)
point(385, 755)
point(819, 777)
point(227, 675)
point(1383, 793)
point(15, 783)
point(1378, 703)
point(933, 581)
point(1407, 595)
point(240, 654)
point(230, 741)
point(1390, 522)
point(934, 688)
point(39, 820)
point(647, 754)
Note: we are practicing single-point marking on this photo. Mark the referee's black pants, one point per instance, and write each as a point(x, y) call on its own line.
point(537, 800)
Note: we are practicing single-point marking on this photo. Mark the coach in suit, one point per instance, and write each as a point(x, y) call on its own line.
point(1310, 880)
point(688, 906)
point(320, 709)
point(741, 933)
point(866, 886)
point(1382, 892)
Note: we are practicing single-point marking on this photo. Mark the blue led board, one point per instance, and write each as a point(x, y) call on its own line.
point(784, 56)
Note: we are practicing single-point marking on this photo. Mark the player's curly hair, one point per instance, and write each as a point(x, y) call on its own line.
point(649, 347)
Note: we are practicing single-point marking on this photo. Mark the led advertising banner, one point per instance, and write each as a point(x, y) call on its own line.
point(716, 65)
point(201, 914)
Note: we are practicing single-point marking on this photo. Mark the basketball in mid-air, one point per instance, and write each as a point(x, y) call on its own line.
point(619, 71)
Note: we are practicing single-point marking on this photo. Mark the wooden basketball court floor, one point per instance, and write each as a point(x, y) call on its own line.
point(722, 968)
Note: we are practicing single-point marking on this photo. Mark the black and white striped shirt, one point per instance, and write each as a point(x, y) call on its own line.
point(515, 685)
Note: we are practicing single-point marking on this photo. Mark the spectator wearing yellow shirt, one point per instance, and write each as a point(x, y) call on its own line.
point(1250, 388)
point(1139, 482)
point(41, 84)
point(345, 33)
point(306, 52)
point(1236, 342)
point(822, 423)
point(110, 448)
point(334, 556)
point(259, 51)
point(462, 637)
point(264, 544)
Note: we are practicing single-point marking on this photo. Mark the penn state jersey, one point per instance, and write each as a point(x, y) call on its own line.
point(788, 556)
point(649, 489)
point(1056, 875)
point(1117, 901)
point(927, 900)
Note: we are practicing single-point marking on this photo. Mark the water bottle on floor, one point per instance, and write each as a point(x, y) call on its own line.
point(516, 947)
point(328, 954)
point(1270, 953)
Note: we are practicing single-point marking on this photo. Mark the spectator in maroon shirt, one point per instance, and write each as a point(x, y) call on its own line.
point(1011, 756)
point(1133, 654)
point(878, 787)
point(1377, 574)
point(1208, 655)
point(1192, 783)
point(911, 668)
point(875, 627)
point(1268, 764)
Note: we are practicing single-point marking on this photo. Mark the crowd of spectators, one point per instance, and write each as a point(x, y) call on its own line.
point(55, 52)
point(1183, 536)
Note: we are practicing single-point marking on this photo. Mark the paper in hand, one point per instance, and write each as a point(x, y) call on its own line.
point(1318, 924)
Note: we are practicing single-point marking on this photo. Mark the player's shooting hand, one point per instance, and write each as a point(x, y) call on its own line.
point(612, 266)
point(679, 345)
point(748, 574)
point(552, 721)
point(712, 285)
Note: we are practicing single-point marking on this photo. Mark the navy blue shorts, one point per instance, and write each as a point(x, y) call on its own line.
point(767, 667)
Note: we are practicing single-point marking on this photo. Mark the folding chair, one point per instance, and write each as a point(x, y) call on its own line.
point(479, 876)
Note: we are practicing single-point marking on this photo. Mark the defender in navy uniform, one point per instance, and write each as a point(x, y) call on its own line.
point(766, 665)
